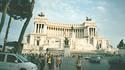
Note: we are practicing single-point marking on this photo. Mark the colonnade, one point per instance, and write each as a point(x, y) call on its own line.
point(63, 30)
point(92, 31)
point(59, 31)
point(38, 28)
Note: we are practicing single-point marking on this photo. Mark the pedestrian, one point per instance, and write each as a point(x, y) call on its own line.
point(49, 61)
point(58, 62)
point(42, 61)
point(78, 63)
point(52, 64)
point(36, 60)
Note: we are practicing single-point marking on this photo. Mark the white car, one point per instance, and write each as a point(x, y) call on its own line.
point(95, 59)
point(10, 61)
point(87, 58)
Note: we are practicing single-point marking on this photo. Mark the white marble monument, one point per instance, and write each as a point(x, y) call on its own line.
point(82, 37)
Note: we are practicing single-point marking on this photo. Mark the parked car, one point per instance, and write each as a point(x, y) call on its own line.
point(87, 58)
point(10, 61)
point(117, 63)
point(95, 59)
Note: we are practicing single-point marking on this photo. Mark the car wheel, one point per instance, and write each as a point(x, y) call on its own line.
point(22, 69)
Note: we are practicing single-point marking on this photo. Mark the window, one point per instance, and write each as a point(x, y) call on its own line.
point(11, 58)
point(22, 58)
point(2, 57)
point(37, 42)
point(19, 61)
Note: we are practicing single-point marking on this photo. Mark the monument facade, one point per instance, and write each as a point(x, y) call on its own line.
point(78, 37)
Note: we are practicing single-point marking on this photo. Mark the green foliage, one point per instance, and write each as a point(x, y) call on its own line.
point(3, 4)
point(121, 44)
point(18, 9)
point(3, 8)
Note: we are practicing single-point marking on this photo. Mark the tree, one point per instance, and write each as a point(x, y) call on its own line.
point(6, 35)
point(3, 8)
point(121, 44)
point(28, 15)
point(19, 9)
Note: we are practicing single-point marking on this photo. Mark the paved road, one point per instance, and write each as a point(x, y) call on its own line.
point(95, 66)
point(69, 64)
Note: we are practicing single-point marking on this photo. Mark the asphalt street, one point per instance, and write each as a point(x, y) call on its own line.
point(69, 64)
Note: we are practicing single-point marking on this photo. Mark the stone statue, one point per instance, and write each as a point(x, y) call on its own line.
point(41, 14)
point(72, 28)
point(66, 41)
point(88, 19)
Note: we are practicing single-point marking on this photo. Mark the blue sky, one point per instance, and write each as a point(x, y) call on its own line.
point(108, 14)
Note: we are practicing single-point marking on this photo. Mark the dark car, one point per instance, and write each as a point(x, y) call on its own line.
point(95, 59)
point(117, 63)
point(87, 58)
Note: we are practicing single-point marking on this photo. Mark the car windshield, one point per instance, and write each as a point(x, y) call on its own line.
point(22, 58)
point(93, 57)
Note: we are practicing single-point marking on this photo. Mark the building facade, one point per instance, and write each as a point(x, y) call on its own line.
point(82, 37)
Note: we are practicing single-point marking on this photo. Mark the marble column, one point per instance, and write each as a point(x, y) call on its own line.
point(94, 32)
point(87, 31)
point(34, 27)
point(40, 28)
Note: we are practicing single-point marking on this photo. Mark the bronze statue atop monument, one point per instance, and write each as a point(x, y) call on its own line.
point(66, 43)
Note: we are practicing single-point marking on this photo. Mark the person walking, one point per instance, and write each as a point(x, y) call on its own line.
point(78, 63)
point(58, 62)
point(42, 61)
point(52, 64)
point(49, 61)
point(36, 60)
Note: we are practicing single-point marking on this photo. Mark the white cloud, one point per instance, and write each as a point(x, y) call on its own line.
point(101, 8)
point(63, 10)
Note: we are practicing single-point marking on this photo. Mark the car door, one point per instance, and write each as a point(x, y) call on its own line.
point(2, 62)
point(12, 63)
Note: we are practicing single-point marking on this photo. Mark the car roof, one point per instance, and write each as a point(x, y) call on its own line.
point(7, 53)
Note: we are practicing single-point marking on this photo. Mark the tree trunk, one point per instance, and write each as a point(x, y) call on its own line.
point(4, 14)
point(6, 36)
point(20, 46)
